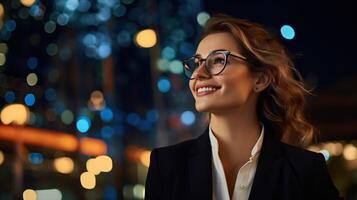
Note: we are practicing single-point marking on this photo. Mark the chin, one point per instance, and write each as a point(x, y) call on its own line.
point(205, 108)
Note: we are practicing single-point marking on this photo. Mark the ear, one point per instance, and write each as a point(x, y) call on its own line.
point(261, 81)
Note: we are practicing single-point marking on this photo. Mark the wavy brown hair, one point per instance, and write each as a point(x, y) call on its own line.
point(281, 105)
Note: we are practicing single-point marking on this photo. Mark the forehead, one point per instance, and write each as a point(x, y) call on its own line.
point(217, 41)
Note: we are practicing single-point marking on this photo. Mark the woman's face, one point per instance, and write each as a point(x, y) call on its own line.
point(233, 87)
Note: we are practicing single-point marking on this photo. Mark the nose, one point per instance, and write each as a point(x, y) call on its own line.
point(201, 72)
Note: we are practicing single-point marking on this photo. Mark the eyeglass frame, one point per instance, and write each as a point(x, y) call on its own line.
point(226, 54)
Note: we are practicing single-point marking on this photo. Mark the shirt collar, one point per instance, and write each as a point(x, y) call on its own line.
point(256, 149)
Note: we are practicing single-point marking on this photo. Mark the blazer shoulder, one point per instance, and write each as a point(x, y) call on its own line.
point(178, 149)
point(300, 154)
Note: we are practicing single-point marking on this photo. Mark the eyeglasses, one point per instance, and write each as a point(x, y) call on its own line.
point(214, 64)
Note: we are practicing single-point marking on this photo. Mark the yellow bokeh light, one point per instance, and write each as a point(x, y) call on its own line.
point(350, 152)
point(88, 180)
point(3, 48)
point(146, 38)
point(145, 158)
point(15, 113)
point(29, 194)
point(93, 166)
point(32, 79)
point(64, 165)
point(2, 157)
point(105, 163)
point(2, 59)
point(2, 11)
point(28, 3)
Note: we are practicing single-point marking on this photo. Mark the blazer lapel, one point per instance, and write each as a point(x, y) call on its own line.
point(268, 168)
point(200, 168)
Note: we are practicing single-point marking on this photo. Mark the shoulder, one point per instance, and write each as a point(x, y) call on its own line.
point(300, 154)
point(305, 164)
point(179, 149)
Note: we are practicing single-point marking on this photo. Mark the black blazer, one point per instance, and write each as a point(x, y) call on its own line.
point(184, 172)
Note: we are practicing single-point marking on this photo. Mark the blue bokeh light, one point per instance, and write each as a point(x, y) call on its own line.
point(287, 32)
point(106, 114)
point(63, 19)
point(83, 124)
point(188, 117)
point(30, 99)
point(163, 85)
point(9, 96)
point(10, 25)
point(133, 119)
point(50, 94)
point(168, 53)
point(107, 132)
point(104, 50)
point(32, 63)
point(152, 115)
point(35, 158)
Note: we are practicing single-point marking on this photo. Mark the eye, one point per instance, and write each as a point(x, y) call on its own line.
point(218, 60)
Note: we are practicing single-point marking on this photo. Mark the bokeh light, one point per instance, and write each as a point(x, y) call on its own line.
point(48, 194)
point(15, 113)
point(9, 96)
point(27, 3)
point(31, 79)
point(163, 85)
point(88, 180)
point(2, 157)
point(32, 62)
point(176, 67)
point(139, 191)
point(2, 11)
point(2, 59)
point(287, 32)
point(93, 166)
point(350, 152)
point(146, 38)
point(106, 114)
point(96, 100)
point(64, 165)
point(188, 117)
point(202, 18)
point(35, 158)
point(83, 124)
point(29, 194)
point(30, 99)
point(67, 117)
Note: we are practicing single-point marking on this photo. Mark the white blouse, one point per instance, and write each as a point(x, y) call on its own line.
point(244, 179)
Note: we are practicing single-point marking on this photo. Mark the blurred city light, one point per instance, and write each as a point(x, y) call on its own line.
point(48, 194)
point(31, 79)
point(287, 32)
point(2, 157)
point(350, 152)
point(64, 165)
point(15, 113)
point(29, 194)
point(27, 3)
point(88, 180)
point(146, 38)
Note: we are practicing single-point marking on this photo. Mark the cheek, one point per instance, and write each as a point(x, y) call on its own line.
point(239, 85)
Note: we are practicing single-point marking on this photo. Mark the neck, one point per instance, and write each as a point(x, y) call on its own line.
point(236, 130)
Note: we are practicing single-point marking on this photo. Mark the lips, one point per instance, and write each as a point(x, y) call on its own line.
point(206, 89)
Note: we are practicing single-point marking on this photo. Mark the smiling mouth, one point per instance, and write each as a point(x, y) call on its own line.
point(206, 90)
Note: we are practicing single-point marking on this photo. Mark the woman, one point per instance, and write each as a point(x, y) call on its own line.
point(242, 76)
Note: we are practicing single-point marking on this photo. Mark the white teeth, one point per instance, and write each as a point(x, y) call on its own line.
point(205, 89)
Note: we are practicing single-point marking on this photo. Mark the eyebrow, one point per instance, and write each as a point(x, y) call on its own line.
point(197, 54)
